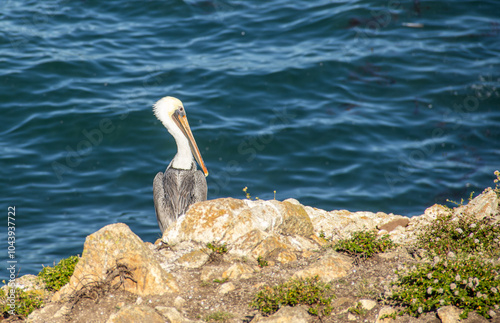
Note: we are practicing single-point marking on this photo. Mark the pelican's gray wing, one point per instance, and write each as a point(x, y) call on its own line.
point(192, 189)
point(175, 191)
point(163, 207)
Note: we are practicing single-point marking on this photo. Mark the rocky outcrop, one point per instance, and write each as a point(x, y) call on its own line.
point(115, 255)
point(180, 276)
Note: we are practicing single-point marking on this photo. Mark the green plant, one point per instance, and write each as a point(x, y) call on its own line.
point(364, 244)
point(462, 234)
point(217, 248)
point(358, 309)
point(221, 281)
point(59, 275)
point(470, 284)
point(219, 316)
point(262, 262)
point(25, 302)
point(310, 291)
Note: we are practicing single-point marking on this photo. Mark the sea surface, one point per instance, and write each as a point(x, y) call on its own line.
point(361, 105)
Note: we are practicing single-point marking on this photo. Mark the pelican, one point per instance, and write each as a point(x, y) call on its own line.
point(181, 185)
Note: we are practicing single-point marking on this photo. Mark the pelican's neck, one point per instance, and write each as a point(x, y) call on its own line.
point(184, 158)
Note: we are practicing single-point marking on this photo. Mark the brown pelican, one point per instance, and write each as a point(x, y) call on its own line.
point(181, 185)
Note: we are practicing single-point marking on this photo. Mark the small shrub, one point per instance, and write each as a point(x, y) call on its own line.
point(311, 291)
point(465, 235)
point(358, 309)
point(469, 284)
point(221, 281)
point(217, 248)
point(262, 262)
point(59, 275)
point(25, 301)
point(364, 244)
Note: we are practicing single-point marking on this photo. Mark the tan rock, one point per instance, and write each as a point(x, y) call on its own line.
point(46, 314)
point(179, 303)
point(205, 221)
point(368, 304)
point(320, 241)
point(237, 271)
point(485, 204)
point(287, 314)
point(208, 274)
point(116, 251)
point(340, 223)
point(307, 253)
point(331, 266)
point(135, 313)
point(171, 314)
point(267, 246)
point(27, 282)
point(194, 259)
point(294, 220)
point(286, 256)
point(248, 242)
point(63, 311)
point(228, 220)
point(387, 310)
point(226, 288)
point(449, 314)
point(394, 223)
point(351, 317)
point(300, 243)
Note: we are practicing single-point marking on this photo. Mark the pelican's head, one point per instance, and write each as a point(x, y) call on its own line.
point(171, 113)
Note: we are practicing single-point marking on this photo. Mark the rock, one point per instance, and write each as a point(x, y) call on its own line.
point(179, 303)
point(208, 274)
point(237, 271)
point(331, 266)
point(135, 313)
point(194, 259)
point(27, 283)
point(226, 288)
point(63, 311)
point(307, 254)
point(171, 314)
point(385, 311)
point(43, 314)
point(294, 220)
point(341, 223)
point(286, 256)
point(229, 220)
point(351, 317)
point(296, 314)
point(473, 317)
point(485, 204)
point(394, 223)
point(116, 251)
point(320, 241)
point(267, 246)
point(449, 314)
point(368, 304)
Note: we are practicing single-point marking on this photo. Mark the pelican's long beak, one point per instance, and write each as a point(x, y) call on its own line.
point(182, 122)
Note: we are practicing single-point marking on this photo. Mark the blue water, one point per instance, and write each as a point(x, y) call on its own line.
point(339, 104)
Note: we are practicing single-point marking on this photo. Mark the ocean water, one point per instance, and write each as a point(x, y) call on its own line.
point(381, 106)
